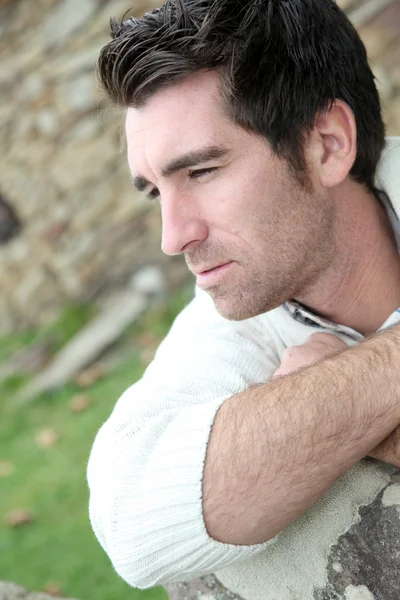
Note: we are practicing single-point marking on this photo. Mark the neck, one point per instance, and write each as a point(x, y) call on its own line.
point(361, 286)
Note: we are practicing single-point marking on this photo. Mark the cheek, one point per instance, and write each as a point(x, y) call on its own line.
point(230, 210)
point(248, 204)
point(241, 211)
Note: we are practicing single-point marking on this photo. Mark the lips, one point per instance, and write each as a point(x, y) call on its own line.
point(206, 269)
point(213, 276)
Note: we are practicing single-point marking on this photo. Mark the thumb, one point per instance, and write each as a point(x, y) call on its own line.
point(328, 339)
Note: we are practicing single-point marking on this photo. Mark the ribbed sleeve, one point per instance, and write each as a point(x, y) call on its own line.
point(146, 466)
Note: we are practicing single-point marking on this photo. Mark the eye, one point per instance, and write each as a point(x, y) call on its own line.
point(153, 194)
point(199, 173)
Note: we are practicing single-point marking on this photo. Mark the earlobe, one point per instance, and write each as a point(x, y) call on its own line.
point(336, 133)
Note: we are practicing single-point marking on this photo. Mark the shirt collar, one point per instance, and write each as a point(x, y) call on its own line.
point(305, 316)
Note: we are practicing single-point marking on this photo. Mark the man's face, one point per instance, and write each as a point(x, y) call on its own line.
point(252, 235)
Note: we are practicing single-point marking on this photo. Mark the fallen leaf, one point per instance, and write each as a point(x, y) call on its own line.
point(6, 468)
point(145, 339)
point(46, 438)
point(89, 376)
point(79, 403)
point(52, 588)
point(18, 517)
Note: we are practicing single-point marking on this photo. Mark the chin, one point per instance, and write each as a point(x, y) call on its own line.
point(242, 308)
point(233, 311)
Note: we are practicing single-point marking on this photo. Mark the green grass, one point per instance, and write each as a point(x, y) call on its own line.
point(55, 333)
point(58, 545)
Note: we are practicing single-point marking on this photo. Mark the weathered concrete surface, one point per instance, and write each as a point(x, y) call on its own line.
point(345, 547)
point(368, 554)
point(363, 564)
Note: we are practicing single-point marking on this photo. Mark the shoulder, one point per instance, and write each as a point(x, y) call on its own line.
point(203, 347)
point(200, 320)
point(388, 172)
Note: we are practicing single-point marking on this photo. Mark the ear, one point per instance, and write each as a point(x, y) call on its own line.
point(333, 144)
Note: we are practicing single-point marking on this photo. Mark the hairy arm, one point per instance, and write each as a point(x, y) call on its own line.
point(276, 448)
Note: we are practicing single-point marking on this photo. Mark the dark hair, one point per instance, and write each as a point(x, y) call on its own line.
point(281, 62)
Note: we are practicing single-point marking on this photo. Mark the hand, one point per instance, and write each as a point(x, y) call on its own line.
point(388, 450)
point(316, 347)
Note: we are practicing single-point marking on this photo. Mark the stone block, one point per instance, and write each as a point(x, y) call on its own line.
point(68, 65)
point(34, 292)
point(79, 93)
point(86, 160)
point(64, 19)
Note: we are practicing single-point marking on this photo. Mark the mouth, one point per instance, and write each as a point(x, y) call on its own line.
point(203, 271)
point(207, 277)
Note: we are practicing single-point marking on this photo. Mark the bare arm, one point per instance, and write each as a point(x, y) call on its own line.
point(276, 448)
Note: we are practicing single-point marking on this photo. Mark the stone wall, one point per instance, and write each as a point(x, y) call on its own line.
point(84, 229)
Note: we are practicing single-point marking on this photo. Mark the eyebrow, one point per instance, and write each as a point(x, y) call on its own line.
point(190, 159)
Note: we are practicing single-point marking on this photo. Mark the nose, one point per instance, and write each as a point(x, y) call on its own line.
point(181, 226)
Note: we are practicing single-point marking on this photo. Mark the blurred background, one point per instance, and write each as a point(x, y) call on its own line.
point(85, 292)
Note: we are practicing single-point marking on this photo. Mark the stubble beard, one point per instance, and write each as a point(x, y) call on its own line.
point(251, 298)
point(259, 290)
point(297, 254)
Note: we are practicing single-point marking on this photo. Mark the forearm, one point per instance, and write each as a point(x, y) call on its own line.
point(275, 449)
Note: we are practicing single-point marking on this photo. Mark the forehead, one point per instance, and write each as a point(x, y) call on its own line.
point(178, 119)
point(197, 96)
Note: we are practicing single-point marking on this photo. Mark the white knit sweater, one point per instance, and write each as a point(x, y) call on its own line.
point(146, 466)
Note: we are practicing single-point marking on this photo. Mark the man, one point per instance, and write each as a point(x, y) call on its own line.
point(257, 124)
